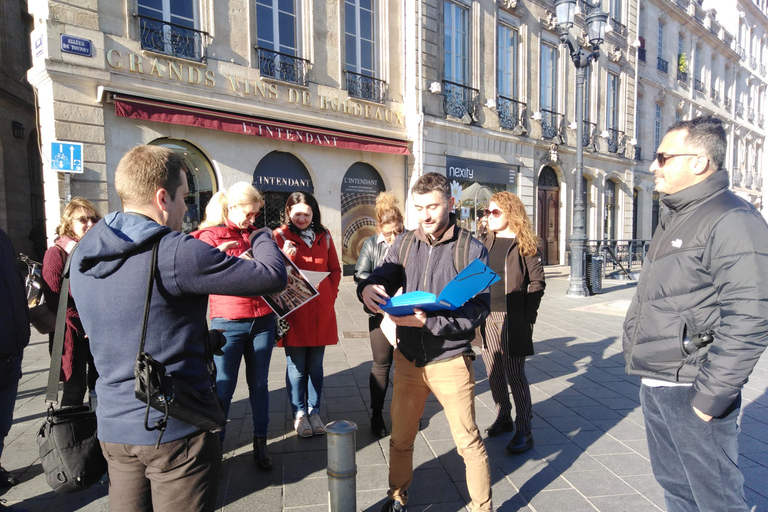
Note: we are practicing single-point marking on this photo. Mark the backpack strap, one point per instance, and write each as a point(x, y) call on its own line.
point(461, 250)
point(405, 247)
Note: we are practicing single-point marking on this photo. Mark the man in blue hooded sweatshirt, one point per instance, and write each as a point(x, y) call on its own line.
point(109, 274)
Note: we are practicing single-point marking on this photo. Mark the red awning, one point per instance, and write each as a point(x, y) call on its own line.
point(162, 112)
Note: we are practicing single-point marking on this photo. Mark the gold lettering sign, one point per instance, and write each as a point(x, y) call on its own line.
point(192, 74)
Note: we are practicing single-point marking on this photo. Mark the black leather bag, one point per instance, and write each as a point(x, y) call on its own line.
point(69, 449)
point(174, 397)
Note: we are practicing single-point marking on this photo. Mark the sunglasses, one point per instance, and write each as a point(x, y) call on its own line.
point(390, 234)
point(661, 158)
point(493, 213)
point(84, 219)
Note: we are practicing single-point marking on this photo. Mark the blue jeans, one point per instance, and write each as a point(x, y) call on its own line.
point(10, 373)
point(304, 378)
point(252, 338)
point(695, 462)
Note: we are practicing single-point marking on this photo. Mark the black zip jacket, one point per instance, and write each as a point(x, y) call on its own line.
point(706, 269)
point(370, 257)
point(446, 334)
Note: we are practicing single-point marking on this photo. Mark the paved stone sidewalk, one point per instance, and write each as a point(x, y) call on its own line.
point(590, 452)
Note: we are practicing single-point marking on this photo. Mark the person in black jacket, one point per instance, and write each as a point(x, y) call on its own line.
point(434, 353)
point(514, 255)
point(14, 326)
point(699, 321)
point(389, 224)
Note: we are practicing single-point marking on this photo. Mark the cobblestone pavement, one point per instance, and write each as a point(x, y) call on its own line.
point(590, 453)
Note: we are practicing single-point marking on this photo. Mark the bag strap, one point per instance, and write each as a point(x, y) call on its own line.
point(405, 247)
point(461, 250)
point(52, 391)
point(148, 299)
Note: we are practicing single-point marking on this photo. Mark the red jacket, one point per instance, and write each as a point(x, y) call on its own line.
point(227, 306)
point(314, 323)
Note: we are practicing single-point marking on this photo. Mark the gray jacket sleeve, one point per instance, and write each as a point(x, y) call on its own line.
point(737, 258)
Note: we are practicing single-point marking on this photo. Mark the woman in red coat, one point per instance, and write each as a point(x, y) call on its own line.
point(313, 326)
point(77, 369)
point(248, 322)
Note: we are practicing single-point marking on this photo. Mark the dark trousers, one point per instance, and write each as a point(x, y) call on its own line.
point(382, 361)
point(10, 374)
point(694, 461)
point(181, 475)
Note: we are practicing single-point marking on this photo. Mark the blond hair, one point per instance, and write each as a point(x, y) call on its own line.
point(146, 169)
point(240, 194)
point(68, 215)
point(387, 211)
point(518, 220)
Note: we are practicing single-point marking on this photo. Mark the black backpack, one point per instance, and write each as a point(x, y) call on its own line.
point(460, 249)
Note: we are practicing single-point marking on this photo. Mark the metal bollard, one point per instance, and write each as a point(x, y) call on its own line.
point(342, 469)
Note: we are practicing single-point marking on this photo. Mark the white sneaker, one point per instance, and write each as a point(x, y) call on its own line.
point(301, 424)
point(318, 428)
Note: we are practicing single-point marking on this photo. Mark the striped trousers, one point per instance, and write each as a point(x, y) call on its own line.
point(504, 370)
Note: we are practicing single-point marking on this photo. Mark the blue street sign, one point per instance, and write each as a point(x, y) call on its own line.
point(67, 156)
point(76, 45)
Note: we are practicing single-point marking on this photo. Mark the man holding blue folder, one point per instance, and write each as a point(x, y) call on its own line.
point(433, 353)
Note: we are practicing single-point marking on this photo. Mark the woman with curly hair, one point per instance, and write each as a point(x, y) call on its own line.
point(77, 370)
point(508, 331)
point(389, 224)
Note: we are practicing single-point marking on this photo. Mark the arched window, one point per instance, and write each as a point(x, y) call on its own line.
point(276, 176)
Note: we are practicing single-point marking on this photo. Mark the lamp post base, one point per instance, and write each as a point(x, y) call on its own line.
point(577, 289)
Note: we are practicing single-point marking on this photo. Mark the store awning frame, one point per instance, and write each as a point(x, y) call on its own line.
point(134, 107)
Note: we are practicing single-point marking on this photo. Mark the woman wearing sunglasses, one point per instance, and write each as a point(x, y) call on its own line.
point(77, 370)
point(508, 331)
point(389, 224)
point(248, 322)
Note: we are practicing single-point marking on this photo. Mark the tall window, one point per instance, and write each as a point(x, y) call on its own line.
point(165, 31)
point(360, 37)
point(679, 44)
point(660, 41)
point(548, 90)
point(616, 9)
point(507, 66)
point(612, 106)
point(456, 26)
point(276, 25)
point(657, 128)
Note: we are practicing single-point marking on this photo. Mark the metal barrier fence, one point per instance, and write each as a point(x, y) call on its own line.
point(625, 256)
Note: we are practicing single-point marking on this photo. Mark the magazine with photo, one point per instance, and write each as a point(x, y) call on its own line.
point(299, 291)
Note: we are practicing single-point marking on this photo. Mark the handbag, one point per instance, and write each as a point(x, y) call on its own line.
point(169, 395)
point(40, 315)
point(281, 329)
point(69, 449)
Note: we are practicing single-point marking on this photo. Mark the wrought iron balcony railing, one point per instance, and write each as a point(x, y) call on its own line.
point(638, 154)
point(714, 94)
point(749, 179)
point(641, 54)
point(460, 100)
point(739, 109)
point(282, 66)
point(682, 77)
point(365, 87)
point(760, 120)
point(552, 125)
point(736, 177)
point(751, 114)
point(586, 7)
point(589, 136)
point(762, 70)
point(172, 39)
point(683, 4)
point(614, 138)
point(742, 53)
point(752, 62)
point(699, 86)
point(618, 26)
point(727, 103)
point(662, 65)
point(511, 112)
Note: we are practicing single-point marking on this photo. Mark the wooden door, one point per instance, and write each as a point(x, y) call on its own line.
point(548, 225)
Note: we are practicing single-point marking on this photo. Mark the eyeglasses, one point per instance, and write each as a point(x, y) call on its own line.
point(83, 219)
point(390, 234)
point(493, 213)
point(661, 158)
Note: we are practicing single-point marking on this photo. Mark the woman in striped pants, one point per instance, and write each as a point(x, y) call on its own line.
point(508, 332)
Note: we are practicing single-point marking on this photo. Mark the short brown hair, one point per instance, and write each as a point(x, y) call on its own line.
point(68, 215)
point(146, 169)
point(432, 182)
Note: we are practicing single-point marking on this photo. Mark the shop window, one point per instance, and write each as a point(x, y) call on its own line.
point(276, 176)
point(359, 188)
point(200, 177)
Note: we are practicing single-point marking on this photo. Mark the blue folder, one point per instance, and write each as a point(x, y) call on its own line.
point(475, 278)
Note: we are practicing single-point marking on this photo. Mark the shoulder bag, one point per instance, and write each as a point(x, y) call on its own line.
point(70, 453)
point(173, 396)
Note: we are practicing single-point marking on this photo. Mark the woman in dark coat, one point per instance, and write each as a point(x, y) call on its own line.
point(77, 369)
point(508, 332)
point(389, 224)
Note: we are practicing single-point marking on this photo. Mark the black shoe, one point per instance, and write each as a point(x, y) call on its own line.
point(501, 425)
point(521, 442)
point(378, 427)
point(393, 506)
point(7, 479)
point(260, 453)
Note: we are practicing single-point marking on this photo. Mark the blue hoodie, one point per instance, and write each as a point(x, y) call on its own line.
point(109, 275)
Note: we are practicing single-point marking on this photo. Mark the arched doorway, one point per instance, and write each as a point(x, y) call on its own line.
point(359, 188)
point(200, 177)
point(276, 176)
point(549, 216)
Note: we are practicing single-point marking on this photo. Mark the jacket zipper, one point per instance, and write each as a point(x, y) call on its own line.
point(426, 273)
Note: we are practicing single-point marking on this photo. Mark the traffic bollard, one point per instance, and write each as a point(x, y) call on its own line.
point(342, 469)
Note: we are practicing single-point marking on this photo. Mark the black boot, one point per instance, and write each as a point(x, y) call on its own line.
point(501, 425)
point(393, 506)
point(260, 453)
point(521, 442)
point(378, 427)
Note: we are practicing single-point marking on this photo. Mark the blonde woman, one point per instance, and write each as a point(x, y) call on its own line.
point(248, 322)
point(508, 332)
point(77, 370)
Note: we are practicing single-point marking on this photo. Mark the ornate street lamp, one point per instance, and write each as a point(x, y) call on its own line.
point(596, 21)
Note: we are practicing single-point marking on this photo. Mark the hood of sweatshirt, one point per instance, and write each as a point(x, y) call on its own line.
point(114, 239)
